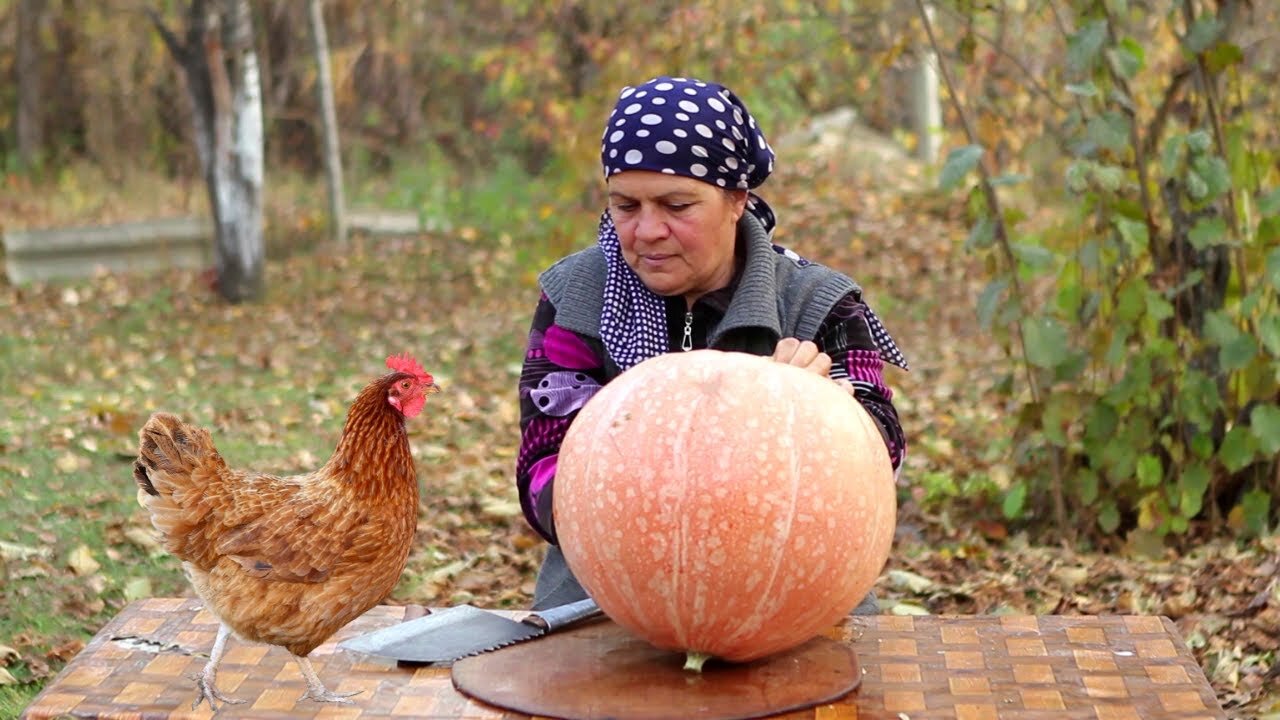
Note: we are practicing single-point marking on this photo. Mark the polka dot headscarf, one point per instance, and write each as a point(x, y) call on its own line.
point(682, 126)
point(678, 126)
point(700, 130)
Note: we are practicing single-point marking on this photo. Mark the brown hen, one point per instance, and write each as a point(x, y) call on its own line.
point(289, 560)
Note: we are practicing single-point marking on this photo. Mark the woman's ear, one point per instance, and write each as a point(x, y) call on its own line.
point(738, 202)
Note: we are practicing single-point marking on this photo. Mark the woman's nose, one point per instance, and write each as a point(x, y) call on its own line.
point(650, 225)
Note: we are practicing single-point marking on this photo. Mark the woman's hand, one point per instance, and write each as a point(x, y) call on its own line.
point(804, 355)
point(807, 356)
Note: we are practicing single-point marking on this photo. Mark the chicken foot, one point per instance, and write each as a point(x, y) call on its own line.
point(205, 681)
point(316, 689)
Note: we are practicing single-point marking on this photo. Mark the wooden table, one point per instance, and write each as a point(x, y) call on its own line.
point(916, 668)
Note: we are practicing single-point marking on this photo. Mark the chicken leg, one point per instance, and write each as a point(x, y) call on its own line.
point(205, 681)
point(316, 689)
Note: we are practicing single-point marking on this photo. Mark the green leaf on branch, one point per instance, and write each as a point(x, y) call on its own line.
point(1215, 173)
point(1238, 449)
point(1150, 471)
point(1265, 423)
point(982, 234)
point(1204, 32)
point(1269, 203)
point(1199, 141)
point(1086, 485)
point(960, 162)
point(1269, 333)
point(1046, 341)
point(1084, 46)
point(1014, 500)
point(1207, 232)
point(1219, 328)
point(1110, 177)
point(1238, 353)
point(1085, 89)
point(1192, 484)
point(989, 301)
point(1172, 153)
point(1222, 56)
point(1127, 58)
point(1257, 509)
point(1158, 308)
point(1109, 131)
point(1131, 301)
point(1033, 257)
point(1134, 234)
point(1269, 230)
point(1109, 517)
point(1197, 188)
point(1273, 267)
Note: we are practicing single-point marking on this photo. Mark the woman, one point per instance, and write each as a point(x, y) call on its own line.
point(683, 260)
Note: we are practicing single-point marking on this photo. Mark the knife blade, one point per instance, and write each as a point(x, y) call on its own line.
point(463, 630)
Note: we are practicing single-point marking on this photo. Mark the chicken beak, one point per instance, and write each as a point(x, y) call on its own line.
point(432, 388)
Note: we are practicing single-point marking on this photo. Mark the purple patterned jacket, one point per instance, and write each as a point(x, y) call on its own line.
point(563, 369)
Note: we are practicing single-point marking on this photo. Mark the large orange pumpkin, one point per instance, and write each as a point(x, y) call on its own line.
point(723, 504)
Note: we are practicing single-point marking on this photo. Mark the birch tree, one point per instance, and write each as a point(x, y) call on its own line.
point(221, 68)
point(329, 123)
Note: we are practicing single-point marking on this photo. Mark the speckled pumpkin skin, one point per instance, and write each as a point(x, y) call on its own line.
point(724, 503)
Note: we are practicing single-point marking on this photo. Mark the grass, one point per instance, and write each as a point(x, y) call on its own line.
point(83, 363)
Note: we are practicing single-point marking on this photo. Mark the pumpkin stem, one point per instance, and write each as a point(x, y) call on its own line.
point(693, 660)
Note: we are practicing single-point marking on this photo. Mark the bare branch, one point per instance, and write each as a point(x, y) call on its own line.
point(176, 48)
point(1017, 62)
point(1155, 127)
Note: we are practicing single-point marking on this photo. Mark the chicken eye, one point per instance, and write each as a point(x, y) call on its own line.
point(404, 384)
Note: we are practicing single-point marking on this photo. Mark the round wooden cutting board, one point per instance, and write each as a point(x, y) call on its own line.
point(602, 671)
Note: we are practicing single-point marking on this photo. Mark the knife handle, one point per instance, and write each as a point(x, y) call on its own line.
point(562, 615)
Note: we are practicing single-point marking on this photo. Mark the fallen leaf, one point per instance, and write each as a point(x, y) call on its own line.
point(64, 652)
point(501, 508)
point(1071, 576)
point(903, 608)
point(81, 561)
point(137, 588)
point(6, 678)
point(13, 551)
point(907, 580)
point(145, 539)
point(70, 462)
point(7, 654)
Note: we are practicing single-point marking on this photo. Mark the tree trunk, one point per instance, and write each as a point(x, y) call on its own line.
point(223, 83)
point(926, 107)
point(329, 124)
point(27, 72)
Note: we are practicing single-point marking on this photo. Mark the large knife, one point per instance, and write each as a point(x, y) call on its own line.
point(462, 630)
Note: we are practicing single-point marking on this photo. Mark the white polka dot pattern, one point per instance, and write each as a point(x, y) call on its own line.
point(690, 128)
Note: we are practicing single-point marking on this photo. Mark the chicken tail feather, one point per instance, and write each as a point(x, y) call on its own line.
point(169, 446)
point(175, 463)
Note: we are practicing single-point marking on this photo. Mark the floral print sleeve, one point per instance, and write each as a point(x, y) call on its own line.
point(561, 372)
point(846, 336)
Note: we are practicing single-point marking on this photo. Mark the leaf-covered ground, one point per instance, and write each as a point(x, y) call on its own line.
point(82, 364)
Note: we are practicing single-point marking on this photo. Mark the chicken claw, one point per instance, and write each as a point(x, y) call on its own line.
point(320, 694)
point(205, 682)
point(316, 689)
point(210, 692)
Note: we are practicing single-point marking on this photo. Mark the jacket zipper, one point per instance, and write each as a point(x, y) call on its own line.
point(686, 343)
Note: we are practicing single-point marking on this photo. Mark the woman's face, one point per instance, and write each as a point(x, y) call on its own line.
point(676, 233)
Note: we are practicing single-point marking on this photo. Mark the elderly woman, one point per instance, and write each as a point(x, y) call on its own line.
point(683, 260)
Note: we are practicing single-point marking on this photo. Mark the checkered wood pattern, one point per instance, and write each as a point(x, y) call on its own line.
point(956, 667)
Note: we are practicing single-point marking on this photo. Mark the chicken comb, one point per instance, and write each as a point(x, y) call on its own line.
point(405, 363)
